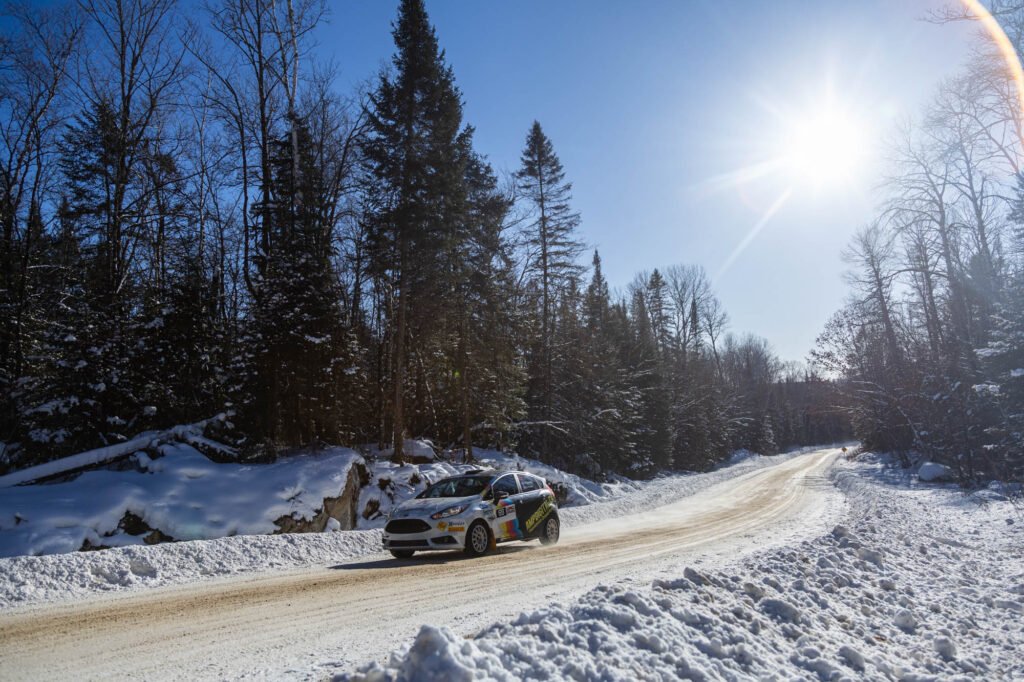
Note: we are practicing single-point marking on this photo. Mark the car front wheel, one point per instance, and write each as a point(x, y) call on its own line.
point(478, 539)
point(402, 553)
point(552, 528)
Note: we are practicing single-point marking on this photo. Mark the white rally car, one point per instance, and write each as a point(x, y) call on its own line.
point(474, 511)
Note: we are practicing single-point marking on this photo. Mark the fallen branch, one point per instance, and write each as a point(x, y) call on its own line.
point(109, 453)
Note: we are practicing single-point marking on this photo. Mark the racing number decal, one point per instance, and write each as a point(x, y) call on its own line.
point(507, 525)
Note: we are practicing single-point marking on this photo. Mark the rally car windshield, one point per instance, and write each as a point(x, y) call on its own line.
point(463, 486)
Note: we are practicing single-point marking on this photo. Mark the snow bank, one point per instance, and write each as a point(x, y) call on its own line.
point(183, 494)
point(31, 579)
point(916, 584)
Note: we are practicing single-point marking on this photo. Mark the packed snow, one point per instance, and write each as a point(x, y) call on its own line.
point(919, 582)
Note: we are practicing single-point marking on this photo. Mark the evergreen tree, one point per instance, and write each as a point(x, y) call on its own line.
point(488, 380)
point(302, 350)
point(82, 394)
point(607, 392)
point(655, 438)
point(554, 249)
point(415, 166)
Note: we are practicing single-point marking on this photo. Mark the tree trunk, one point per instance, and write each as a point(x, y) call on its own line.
point(398, 426)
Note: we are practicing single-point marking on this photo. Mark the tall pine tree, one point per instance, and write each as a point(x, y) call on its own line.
point(414, 164)
point(554, 249)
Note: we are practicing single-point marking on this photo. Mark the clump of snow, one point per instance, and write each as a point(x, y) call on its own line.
point(183, 494)
point(935, 472)
point(417, 450)
point(917, 583)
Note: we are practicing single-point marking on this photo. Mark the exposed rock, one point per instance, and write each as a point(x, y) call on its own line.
point(343, 509)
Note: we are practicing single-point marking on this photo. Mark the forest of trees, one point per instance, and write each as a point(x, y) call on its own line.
point(195, 220)
point(930, 348)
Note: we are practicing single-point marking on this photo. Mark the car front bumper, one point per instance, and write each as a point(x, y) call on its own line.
point(443, 534)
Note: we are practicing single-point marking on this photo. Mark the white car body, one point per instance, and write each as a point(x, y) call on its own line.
point(511, 505)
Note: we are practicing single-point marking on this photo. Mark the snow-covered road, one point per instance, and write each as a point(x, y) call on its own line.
point(315, 621)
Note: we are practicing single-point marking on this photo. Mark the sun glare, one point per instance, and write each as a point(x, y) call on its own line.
point(819, 146)
point(824, 147)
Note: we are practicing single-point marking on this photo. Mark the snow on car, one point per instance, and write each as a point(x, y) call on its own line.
point(474, 511)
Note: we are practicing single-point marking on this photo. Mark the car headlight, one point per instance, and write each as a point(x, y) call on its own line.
point(450, 511)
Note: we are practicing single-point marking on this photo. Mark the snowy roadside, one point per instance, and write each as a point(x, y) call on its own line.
point(181, 494)
point(27, 580)
point(919, 582)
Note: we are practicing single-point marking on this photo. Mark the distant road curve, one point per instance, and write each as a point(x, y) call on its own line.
point(312, 622)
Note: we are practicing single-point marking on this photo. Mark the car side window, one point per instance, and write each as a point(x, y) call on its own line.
point(505, 484)
point(528, 483)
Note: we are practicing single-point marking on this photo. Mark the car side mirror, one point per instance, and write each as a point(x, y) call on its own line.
point(498, 497)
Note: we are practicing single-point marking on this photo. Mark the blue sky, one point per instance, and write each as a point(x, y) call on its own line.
point(646, 101)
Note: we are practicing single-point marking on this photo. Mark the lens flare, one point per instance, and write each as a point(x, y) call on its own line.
point(1004, 45)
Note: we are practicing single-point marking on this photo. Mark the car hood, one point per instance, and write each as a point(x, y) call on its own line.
point(416, 508)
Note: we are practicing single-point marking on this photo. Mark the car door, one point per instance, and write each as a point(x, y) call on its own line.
point(505, 525)
point(532, 505)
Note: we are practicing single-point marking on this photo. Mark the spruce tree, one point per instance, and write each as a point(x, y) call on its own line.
point(414, 167)
point(487, 378)
point(607, 395)
point(654, 442)
point(551, 238)
point(301, 350)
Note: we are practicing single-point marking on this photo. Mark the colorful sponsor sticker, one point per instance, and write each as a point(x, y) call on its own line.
point(509, 529)
point(442, 525)
point(456, 529)
point(539, 515)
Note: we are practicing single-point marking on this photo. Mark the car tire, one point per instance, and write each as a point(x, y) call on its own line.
point(550, 530)
point(403, 553)
point(478, 539)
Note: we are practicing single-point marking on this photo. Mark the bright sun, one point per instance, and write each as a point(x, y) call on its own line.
point(825, 146)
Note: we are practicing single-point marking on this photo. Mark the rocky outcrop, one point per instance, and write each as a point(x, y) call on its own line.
point(344, 509)
point(130, 524)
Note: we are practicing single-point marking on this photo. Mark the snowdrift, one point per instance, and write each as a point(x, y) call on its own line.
point(182, 496)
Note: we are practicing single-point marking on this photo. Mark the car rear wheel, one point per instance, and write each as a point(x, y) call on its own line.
point(552, 528)
point(478, 539)
point(402, 553)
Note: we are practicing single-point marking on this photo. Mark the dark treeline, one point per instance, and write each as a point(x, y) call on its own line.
point(195, 221)
point(931, 345)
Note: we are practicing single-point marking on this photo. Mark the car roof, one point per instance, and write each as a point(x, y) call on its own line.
point(493, 473)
